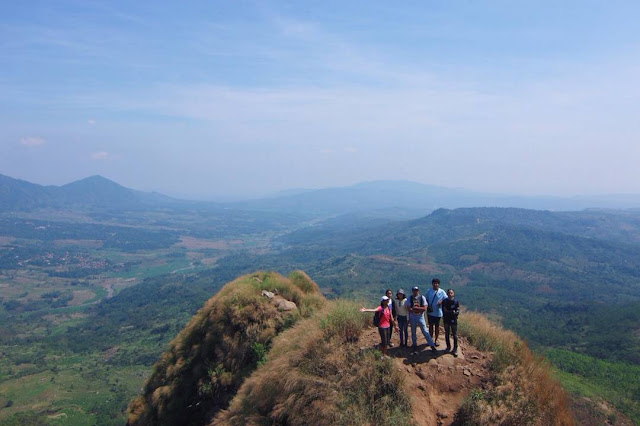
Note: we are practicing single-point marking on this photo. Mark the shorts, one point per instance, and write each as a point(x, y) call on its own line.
point(384, 335)
point(433, 320)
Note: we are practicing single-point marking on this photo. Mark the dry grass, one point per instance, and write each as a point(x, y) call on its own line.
point(523, 392)
point(316, 374)
point(221, 345)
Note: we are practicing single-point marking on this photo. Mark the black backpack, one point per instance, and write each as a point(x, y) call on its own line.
point(376, 318)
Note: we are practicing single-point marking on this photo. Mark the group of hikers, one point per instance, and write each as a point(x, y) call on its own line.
point(403, 311)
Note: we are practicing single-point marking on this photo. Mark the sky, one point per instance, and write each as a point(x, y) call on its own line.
point(231, 99)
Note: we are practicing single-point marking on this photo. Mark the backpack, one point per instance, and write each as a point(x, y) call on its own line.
point(376, 318)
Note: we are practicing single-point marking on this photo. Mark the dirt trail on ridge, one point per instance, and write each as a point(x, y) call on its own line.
point(436, 382)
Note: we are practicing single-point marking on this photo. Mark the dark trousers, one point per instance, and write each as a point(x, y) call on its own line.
point(403, 328)
point(451, 329)
point(384, 335)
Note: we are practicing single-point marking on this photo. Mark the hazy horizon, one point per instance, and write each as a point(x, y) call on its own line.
point(185, 195)
point(234, 100)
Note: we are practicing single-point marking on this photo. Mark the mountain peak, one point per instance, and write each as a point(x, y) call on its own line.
point(94, 180)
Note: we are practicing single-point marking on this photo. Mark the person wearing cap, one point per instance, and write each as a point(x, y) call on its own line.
point(416, 305)
point(385, 322)
point(401, 317)
point(392, 306)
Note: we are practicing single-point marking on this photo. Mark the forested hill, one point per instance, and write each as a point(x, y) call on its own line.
point(448, 225)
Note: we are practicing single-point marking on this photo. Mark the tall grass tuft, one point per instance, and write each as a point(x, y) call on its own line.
point(523, 390)
point(343, 321)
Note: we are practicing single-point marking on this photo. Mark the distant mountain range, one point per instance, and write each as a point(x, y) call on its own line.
point(393, 199)
point(94, 191)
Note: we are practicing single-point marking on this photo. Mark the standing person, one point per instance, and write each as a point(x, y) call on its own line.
point(451, 309)
point(392, 306)
point(435, 296)
point(401, 317)
point(417, 304)
point(385, 321)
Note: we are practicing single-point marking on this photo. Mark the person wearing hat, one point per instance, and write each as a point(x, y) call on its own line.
point(392, 306)
point(385, 322)
point(417, 304)
point(401, 317)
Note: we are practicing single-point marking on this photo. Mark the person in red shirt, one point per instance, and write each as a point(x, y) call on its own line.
point(385, 322)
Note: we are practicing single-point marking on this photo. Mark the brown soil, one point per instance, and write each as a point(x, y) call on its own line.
point(436, 382)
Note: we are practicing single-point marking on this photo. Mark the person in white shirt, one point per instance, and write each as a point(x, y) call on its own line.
point(401, 314)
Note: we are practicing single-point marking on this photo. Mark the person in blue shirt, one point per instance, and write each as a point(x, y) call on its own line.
point(451, 309)
point(435, 296)
point(417, 304)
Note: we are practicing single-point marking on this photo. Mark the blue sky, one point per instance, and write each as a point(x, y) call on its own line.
point(235, 98)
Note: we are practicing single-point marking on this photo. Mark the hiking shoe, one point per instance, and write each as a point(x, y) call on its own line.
point(437, 343)
point(455, 354)
point(390, 344)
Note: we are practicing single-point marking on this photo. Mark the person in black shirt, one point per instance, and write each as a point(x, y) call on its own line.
point(450, 311)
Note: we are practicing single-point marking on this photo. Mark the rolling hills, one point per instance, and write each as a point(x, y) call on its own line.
point(91, 293)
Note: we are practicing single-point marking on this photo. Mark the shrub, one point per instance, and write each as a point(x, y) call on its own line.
point(343, 321)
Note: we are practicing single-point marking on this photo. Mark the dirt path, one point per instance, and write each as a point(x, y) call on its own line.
point(436, 382)
point(191, 266)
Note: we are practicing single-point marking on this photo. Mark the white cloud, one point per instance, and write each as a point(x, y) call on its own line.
point(32, 141)
point(100, 155)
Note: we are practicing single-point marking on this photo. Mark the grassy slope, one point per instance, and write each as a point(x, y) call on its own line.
point(523, 390)
point(583, 375)
point(220, 346)
point(317, 374)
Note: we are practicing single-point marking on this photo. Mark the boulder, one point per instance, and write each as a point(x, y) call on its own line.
point(285, 305)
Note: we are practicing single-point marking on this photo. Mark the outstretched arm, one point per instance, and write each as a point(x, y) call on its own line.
point(363, 309)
